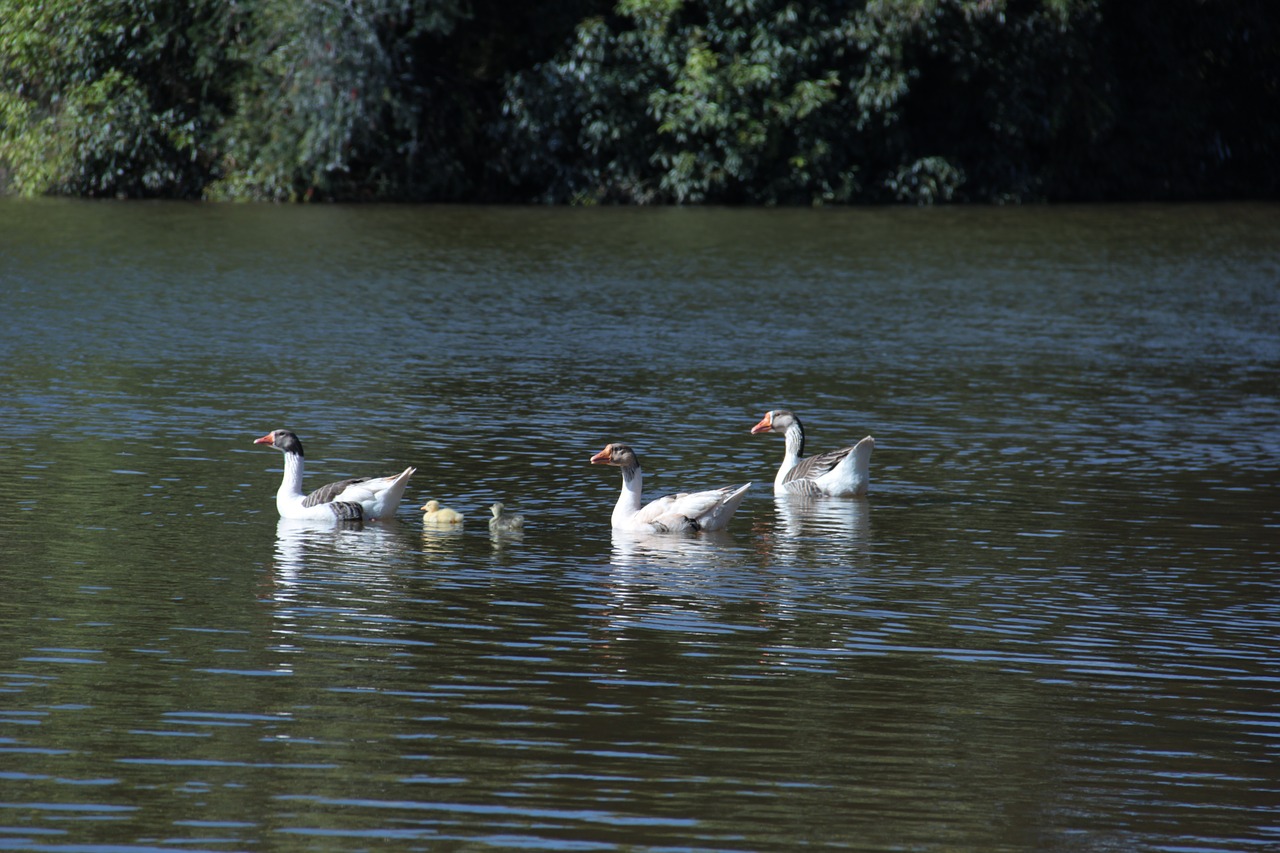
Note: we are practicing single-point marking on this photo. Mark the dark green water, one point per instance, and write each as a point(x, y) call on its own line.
point(1052, 625)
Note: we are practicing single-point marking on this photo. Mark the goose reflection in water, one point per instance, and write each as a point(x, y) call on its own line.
point(802, 523)
point(674, 568)
point(632, 549)
point(692, 586)
point(295, 539)
point(338, 584)
point(839, 519)
point(311, 555)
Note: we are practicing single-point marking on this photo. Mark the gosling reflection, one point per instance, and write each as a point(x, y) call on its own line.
point(503, 539)
point(439, 540)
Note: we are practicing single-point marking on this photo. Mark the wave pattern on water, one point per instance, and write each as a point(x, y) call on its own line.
point(1051, 625)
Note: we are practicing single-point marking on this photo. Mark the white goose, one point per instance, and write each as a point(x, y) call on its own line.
point(359, 499)
point(840, 473)
point(683, 513)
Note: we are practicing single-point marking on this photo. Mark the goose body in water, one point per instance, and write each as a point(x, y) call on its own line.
point(839, 473)
point(682, 513)
point(357, 499)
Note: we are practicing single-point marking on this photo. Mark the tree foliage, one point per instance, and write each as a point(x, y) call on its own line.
point(762, 101)
point(641, 101)
point(110, 97)
point(333, 102)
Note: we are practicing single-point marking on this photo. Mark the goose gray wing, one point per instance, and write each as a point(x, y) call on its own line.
point(815, 466)
point(326, 494)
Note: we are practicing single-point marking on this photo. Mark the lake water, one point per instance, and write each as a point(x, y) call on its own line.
point(1053, 624)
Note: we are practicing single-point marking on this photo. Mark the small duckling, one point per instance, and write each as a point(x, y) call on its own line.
point(433, 513)
point(502, 521)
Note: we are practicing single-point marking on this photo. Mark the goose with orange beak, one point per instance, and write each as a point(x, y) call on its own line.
point(682, 513)
point(840, 473)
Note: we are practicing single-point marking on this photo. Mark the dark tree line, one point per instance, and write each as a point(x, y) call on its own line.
point(641, 101)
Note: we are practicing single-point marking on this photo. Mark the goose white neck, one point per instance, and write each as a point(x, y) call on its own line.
point(291, 482)
point(794, 437)
point(629, 501)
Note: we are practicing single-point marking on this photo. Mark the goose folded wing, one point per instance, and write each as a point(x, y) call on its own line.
point(815, 466)
point(331, 492)
point(656, 509)
point(667, 515)
point(698, 504)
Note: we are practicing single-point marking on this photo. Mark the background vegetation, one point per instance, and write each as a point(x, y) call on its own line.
point(641, 101)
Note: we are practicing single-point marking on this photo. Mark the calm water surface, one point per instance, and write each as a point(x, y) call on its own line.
point(1054, 623)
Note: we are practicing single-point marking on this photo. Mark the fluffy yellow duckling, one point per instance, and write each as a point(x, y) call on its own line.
point(433, 513)
point(502, 521)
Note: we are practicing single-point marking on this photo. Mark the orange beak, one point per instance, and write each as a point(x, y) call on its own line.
point(604, 455)
point(764, 425)
point(266, 439)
